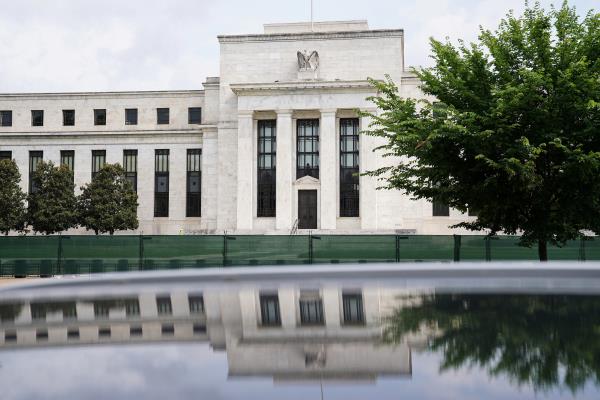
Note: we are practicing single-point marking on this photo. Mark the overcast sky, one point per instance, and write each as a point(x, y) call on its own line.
point(102, 45)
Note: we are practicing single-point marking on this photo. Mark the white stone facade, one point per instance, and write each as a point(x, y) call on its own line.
point(259, 79)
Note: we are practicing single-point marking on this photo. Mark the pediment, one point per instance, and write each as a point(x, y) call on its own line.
point(307, 180)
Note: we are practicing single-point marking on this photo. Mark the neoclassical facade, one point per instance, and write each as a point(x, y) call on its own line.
point(271, 146)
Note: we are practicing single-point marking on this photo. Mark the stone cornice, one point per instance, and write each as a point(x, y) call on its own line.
point(112, 133)
point(102, 95)
point(246, 89)
point(341, 35)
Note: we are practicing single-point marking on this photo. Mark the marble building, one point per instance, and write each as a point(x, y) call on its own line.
point(272, 145)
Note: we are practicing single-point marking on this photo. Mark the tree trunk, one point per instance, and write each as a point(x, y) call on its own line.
point(543, 250)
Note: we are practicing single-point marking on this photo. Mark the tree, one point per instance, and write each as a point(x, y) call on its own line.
point(109, 202)
point(515, 135)
point(545, 341)
point(12, 198)
point(52, 202)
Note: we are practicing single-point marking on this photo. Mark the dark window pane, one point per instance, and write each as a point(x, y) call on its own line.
point(163, 305)
point(161, 183)
point(6, 118)
point(100, 117)
point(5, 155)
point(440, 209)
point(35, 157)
point(194, 183)
point(98, 161)
point(195, 115)
point(130, 167)
point(307, 148)
point(131, 116)
point(162, 116)
point(311, 309)
point(269, 310)
point(68, 117)
point(349, 180)
point(67, 158)
point(353, 308)
point(196, 303)
point(37, 117)
point(266, 179)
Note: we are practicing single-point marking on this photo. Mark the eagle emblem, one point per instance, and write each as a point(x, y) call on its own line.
point(308, 62)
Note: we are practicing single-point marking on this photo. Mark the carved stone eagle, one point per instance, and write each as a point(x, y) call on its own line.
point(308, 62)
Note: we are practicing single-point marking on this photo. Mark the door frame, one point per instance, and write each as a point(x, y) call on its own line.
point(315, 193)
point(306, 183)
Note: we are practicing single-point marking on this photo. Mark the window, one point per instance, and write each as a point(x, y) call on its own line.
point(100, 117)
point(104, 332)
point(98, 161)
point(311, 309)
point(37, 117)
point(136, 330)
point(349, 193)
point(69, 311)
point(440, 209)
point(73, 333)
point(67, 158)
point(161, 183)
point(163, 305)
point(6, 118)
point(307, 148)
point(353, 308)
point(35, 157)
point(41, 334)
point(132, 308)
point(269, 310)
point(199, 329)
point(266, 193)
point(101, 310)
point(10, 336)
point(194, 183)
point(131, 116)
point(68, 117)
point(194, 115)
point(167, 329)
point(130, 167)
point(162, 116)
point(196, 304)
point(5, 155)
point(38, 312)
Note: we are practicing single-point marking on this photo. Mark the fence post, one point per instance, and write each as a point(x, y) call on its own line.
point(488, 248)
point(582, 248)
point(397, 248)
point(59, 255)
point(457, 243)
point(141, 252)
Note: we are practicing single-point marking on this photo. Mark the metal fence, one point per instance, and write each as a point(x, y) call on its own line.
point(55, 255)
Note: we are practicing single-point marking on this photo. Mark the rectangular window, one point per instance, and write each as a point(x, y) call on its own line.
point(353, 308)
point(35, 157)
point(37, 117)
point(440, 209)
point(269, 310)
point(132, 308)
point(67, 158)
point(161, 183)
point(194, 115)
point(311, 309)
point(130, 167)
point(473, 213)
point(349, 180)
point(131, 116)
point(196, 303)
point(194, 183)
point(307, 148)
point(163, 305)
point(136, 330)
point(162, 116)
point(98, 161)
point(6, 118)
point(266, 179)
point(5, 155)
point(101, 310)
point(104, 332)
point(100, 117)
point(68, 117)
point(38, 312)
point(73, 333)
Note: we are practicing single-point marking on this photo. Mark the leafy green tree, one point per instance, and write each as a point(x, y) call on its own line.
point(543, 341)
point(52, 202)
point(12, 198)
point(515, 136)
point(109, 202)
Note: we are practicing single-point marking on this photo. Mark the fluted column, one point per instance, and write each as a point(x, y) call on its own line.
point(284, 170)
point(328, 169)
point(367, 184)
point(245, 170)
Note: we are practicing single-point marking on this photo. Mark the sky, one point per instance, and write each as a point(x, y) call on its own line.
point(105, 45)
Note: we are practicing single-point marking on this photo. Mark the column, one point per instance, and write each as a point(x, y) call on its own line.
point(328, 169)
point(245, 170)
point(367, 184)
point(284, 170)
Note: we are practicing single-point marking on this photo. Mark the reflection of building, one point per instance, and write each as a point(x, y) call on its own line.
point(284, 332)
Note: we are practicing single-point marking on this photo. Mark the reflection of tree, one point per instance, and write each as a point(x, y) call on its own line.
point(543, 341)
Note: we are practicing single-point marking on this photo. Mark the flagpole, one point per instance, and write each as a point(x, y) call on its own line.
point(312, 26)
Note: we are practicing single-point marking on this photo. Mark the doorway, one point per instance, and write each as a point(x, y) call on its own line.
point(307, 209)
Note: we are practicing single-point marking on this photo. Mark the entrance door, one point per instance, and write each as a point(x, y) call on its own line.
point(307, 209)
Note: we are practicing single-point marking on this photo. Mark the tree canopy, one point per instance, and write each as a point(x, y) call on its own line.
point(12, 198)
point(52, 202)
point(108, 203)
point(543, 341)
point(514, 133)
